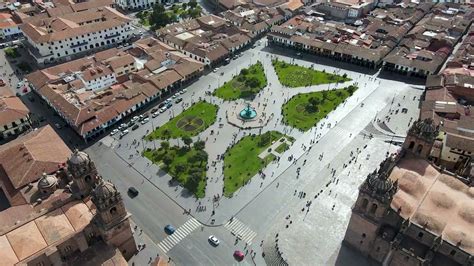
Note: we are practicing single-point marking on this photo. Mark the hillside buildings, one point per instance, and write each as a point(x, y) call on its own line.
point(95, 92)
point(63, 35)
point(69, 216)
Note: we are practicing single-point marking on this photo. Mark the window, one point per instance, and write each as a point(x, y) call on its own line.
point(452, 253)
point(365, 202)
point(113, 211)
point(373, 209)
point(420, 234)
point(363, 235)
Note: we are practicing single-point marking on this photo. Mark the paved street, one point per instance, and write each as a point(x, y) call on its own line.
point(260, 209)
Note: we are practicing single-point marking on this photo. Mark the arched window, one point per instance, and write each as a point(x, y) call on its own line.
point(412, 144)
point(419, 149)
point(88, 178)
point(373, 209)
point(364, 204)
point(113, 210)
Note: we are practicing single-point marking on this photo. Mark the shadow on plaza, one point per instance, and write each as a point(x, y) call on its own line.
point(350, 257)
point(342, 65)
point(173, 184)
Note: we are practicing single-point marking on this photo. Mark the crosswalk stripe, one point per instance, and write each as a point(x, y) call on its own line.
point(241, 230)
point(170, 241)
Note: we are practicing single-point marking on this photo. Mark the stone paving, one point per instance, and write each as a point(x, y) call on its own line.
point(225, 135)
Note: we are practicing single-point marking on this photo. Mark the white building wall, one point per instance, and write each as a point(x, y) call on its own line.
point(136, 4)
point(71, 46)
point(10, 31)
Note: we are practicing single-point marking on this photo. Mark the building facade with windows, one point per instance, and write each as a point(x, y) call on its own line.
point(135, 4)
point(14, 116)
point(62, 37)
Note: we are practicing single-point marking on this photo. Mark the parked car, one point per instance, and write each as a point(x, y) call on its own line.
point(179, 100)
point(215, 70)
point(154, 110)
point(213, 240)
point(155, 114)
point(169, 229)
point(135, 118)
point(168, 105)
point(133, 192)
point(145, 120)
point(124, 132)
point(113, 132)
point(135, 127)
point(163, 109)
point(161, 105)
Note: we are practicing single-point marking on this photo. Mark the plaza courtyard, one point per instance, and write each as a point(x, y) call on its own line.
point(259, 207)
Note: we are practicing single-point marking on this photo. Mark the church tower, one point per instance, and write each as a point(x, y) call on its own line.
point(83, 173)
point(420, 138)
point(373, 202)
point(112, 219)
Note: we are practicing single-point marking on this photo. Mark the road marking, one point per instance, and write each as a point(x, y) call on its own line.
point(170, 241)
point(240, 230)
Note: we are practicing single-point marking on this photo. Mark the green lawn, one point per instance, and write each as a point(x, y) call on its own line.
point(185, 165)
point(297, 76)
point(245, 85)
point(298, 112)
point(189, 123)
point(241, 161)
point(282, 147)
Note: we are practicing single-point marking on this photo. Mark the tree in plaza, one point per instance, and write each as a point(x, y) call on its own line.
point(325, 95)
point(312, 106)
point(199, 145)
point(165, 145)
point(265, 139)
point(244, 71)
point(159, 17)
point(201, 157)
point(187, 140)
point(180, 167)
point(167, 159)
point(192, 4)
point(252, 82)
point(184, 5)
point(195, 12)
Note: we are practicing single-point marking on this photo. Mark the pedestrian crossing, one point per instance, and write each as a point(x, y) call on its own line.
point(240, 230)
point(170, 241)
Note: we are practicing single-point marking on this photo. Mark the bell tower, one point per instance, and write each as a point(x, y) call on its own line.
point(83, 173)
point(112, 219)
point(420, 138)
point(375, 196)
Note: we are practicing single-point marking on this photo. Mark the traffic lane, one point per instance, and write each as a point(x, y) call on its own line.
point(195, 249)
point(152, 210)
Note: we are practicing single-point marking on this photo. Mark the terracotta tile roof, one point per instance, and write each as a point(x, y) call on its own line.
point(27, 157)
point(6, 21)
point(121, 61)
point(165, 79)
point(438, 202)
point(12, 109)
point(8, 254)
point(54, 226)
point(78, 214)
point(26, 240)
point(67, 25)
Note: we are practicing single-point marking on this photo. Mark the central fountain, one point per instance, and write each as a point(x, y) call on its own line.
point(248, 113)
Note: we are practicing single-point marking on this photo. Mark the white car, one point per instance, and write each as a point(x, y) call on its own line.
point(163, 109)
point(213, 240)
point(135, 118)
point(115, 131)
point(145, 120)
point(155, 114)
point(124, 132)
point(215, 70)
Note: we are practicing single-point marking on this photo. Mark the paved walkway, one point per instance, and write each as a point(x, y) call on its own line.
point(271, 98)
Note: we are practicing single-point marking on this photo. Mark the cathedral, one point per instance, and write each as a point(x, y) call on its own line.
point(74, 216)
point(413, 212)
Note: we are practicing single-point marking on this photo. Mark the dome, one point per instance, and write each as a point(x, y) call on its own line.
point(78, 157)
point(379, 183)
point(104, 190)
point(47, 181)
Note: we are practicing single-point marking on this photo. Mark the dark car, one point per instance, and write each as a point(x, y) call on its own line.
point(135, 127)
point(161, 105)
point(168, 105)
point(179, 100)
point(133, 192)
point(154, 110)
point(169, 229)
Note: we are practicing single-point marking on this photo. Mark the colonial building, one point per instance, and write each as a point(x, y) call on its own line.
point(73, 217)
point(411, 212)
point(61, 37)
point(135, 4)
point(14, 115)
